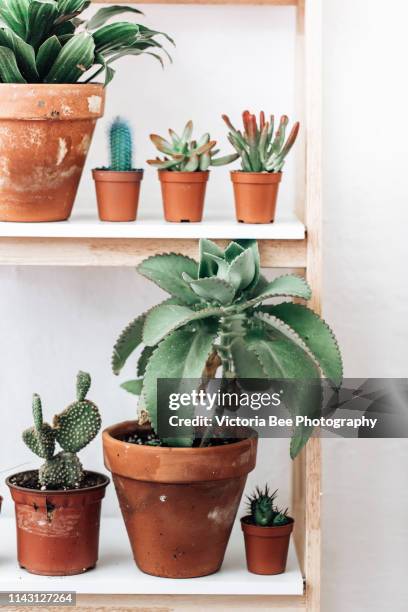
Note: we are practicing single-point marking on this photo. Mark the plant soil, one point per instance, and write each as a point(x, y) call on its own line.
point(29, 480)
point(150, 439)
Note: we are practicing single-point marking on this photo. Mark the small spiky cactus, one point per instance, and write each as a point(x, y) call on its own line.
point(121, 146)
point(73, 429)
point(263, 511)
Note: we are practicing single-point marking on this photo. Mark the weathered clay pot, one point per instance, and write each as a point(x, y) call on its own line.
point(117, 194)
point(255, 195)
point(58, 531)
point(45, 134)
point(179, 504)
point(183, 195)
point(266, 547)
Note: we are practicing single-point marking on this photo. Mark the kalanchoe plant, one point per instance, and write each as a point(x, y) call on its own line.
point(45, 41)
point(120, 146)
point(258, 147)
point(185, 155)
point(263, 511)
point(73, 429)
point(217, 315)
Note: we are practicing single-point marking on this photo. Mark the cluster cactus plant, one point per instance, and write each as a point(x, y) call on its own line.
point(263, 511)
point(260, 149)
point(185, 155)
point(217, 316)
point(120, 146)
point(73, 429)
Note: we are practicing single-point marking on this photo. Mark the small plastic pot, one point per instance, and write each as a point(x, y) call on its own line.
point(255, 195)
point(183, 195)
point(58, 531)
point(266, 547)
point(117, 194)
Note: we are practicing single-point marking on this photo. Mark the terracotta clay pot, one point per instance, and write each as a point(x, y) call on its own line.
point(255, 195)
point(58, 531)
point(183, 195)
point(117, 194)
point(45, 134)
point(266, 547)
point(179, 504)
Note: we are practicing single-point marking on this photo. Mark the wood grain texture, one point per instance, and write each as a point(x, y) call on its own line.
point(129, 252)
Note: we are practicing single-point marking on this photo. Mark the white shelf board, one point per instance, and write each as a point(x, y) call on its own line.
point(87, 225)
point(117, 574)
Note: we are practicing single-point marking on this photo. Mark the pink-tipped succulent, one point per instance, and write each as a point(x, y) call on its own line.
point(260, 149)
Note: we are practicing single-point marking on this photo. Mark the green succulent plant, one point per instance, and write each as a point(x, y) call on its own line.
point(258, 147)
point(45, 41)
point(185, 155)
point(263, 511)
point(217, 316)
point(121, 146)
point(73, 429)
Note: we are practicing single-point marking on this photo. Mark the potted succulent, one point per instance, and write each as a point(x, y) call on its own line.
point(262, 156)
point(118, 187)
point(58, 506)
point(183, 172)
point(49, 102)
point(179, 496)
point(267, 532)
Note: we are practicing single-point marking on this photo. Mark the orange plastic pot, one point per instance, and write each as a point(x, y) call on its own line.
point(178, 504)
point(58, 531)
point(117, 194)
point(45, 134)
point(183, 195)
point(255, 195)
point(266, 547)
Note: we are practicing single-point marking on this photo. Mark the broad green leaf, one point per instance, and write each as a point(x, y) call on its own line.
point(127, 342)
point(242, 271)
point(74, 59)
point(113, 37)
point(181, 355)
point(316, 335)
point(15, 14)
point(232, 251)
point(133, 386)
point(166, 318)
point(208, 266)
point(213, 290)
point(102, 16)
point(41, 17)
point(288, 285)
point(71, 7)
point(166, 272)
point(23, 52)
point(46, 55)
point(249, 243)
point(246, 364)
point(9, 72)
point(144, 359)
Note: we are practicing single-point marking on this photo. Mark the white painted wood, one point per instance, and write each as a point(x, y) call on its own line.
point(117, 574)
point(87, 225)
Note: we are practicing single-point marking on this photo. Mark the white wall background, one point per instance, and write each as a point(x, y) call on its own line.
point(53, 322)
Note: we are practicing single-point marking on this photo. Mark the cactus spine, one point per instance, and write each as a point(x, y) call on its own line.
point(121, 146)
point(73, 429)
point(263, 510)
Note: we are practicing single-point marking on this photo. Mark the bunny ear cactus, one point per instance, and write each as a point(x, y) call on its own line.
point(121, 146)
point(73, 429)
point(260, 149)
point(217, 314)
point(185, 155)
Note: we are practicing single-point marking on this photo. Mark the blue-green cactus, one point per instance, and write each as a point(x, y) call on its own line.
point(121, 146)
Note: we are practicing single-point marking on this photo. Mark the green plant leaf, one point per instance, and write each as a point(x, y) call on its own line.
point(41, 17)
point(165, 318)
point(23, 52)
point(249, 243)
point(207, 266)
point(288, 285)
point(15, 14)
point(127, 342)
point(9, 72)
point(74, 59)
point(166, 271)
point(242, 271)
point(72, 7)
point(232, 251)
point(144, 359)
point(133, 386)
point(102, 16)
point(213, 290)
point(181, 355)
point(46, 55)
point(316, 335)
point(113, 37)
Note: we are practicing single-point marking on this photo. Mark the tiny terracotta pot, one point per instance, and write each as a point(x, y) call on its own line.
point(45, 134)
point(255, 195)
point(266, 548)
point(58, 531)
point(117, 194)
point(178, 504)
point(183, 195)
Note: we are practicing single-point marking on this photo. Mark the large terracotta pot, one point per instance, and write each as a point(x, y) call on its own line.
point(179, 504)
point(266, 548)
point(255, 195)
point(183, 195)
point(58, 531)
point(45, 134)
point(117, 194)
